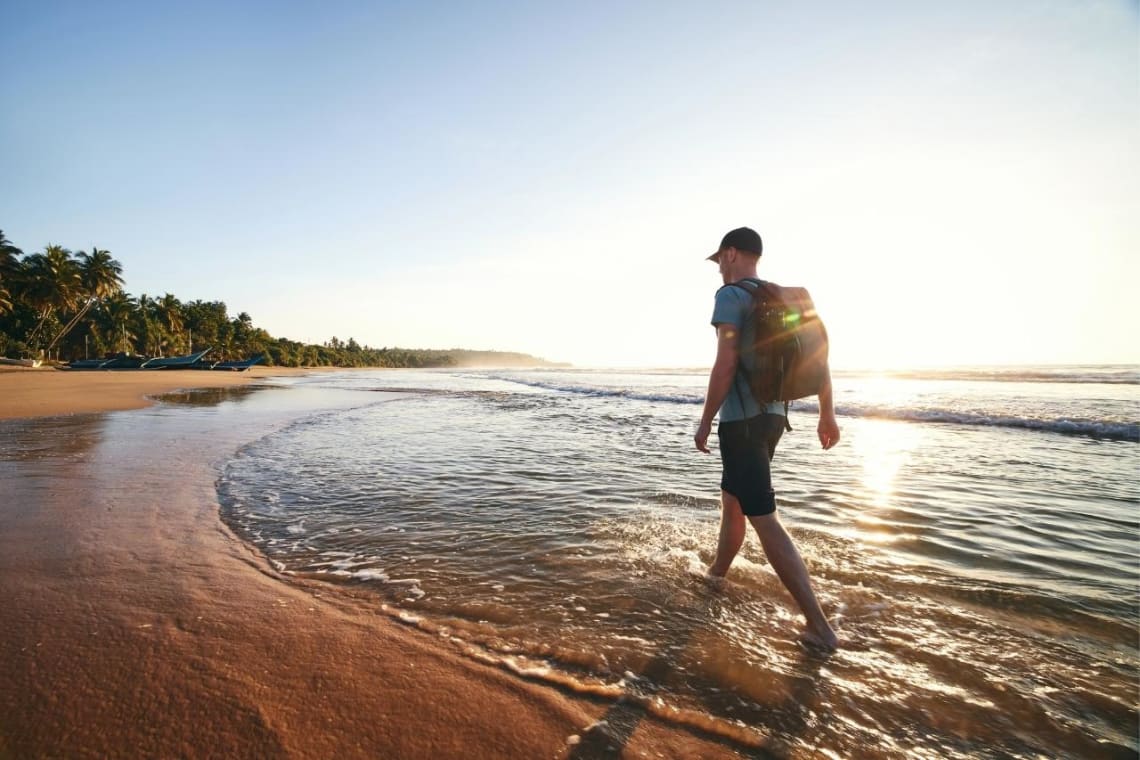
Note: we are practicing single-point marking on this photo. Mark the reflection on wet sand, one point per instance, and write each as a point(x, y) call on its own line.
point(212, 396)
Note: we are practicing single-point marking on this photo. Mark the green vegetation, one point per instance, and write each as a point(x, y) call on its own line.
point(63, 306)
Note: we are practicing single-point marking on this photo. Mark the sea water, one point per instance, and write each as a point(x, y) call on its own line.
point(973, 537)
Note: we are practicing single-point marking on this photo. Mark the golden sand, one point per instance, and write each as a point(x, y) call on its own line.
point(137, 625)
point(44, 391)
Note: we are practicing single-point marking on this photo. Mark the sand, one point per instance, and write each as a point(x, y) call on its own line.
point(135, 624)
point(43, 391)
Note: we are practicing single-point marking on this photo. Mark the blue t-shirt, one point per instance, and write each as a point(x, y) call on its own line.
point(733, 305)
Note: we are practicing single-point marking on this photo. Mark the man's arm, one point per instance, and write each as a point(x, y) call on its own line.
point(828, 426)
point(720, 380)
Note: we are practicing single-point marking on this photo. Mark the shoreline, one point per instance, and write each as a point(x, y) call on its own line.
point(46, 392)
point(137, 623)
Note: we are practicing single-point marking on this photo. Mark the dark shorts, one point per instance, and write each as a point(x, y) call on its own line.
point(746, 450)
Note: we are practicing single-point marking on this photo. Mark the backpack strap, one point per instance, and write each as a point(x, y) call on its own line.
point(748, 284)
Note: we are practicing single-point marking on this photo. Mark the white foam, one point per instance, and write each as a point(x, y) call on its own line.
point(371, 574)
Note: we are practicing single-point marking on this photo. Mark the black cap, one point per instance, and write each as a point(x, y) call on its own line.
point(742, 239)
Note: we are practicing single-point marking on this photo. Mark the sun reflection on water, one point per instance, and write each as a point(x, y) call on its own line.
point(883, 448)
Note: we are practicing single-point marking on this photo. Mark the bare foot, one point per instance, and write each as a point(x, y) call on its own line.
point(826, 641)
point(715, 582)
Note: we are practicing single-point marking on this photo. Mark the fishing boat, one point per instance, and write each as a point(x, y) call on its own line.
point(85, 364)
point(21, 362)
point(118, 361)
point(124, 361)
point(175, 362)
point(239, 366)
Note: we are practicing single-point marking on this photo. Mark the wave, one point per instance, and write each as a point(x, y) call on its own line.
point(1113, 431)
point(600, 392)
point(1122, 374)
point(1100, 429)
point(1102, 374)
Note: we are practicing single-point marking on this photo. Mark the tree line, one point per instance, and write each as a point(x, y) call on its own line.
point(59, 305)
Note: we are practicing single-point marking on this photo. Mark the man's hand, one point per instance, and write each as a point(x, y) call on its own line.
point(828, 431)
point(702, 436)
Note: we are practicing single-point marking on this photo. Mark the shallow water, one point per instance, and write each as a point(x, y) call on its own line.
point(558, 523)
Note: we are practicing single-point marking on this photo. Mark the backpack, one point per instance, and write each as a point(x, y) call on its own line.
point(789, 344)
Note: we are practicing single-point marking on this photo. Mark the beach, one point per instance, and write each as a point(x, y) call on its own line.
point(43, 391)
point(137, 624)
point(509, 563)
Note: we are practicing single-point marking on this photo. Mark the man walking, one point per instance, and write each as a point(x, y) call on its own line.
point(749, 432)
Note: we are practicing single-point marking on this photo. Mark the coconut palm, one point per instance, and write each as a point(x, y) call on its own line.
point(153, 326)
point(9, 267)
point(115, 315)
point(9, 256)
point(100, 276)
point(50, 283)
point(168, 309)
point(148, 325)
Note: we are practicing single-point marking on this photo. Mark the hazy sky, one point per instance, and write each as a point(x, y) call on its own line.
point(955, 182)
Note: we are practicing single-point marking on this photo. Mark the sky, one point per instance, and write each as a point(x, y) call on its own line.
point(955, 183)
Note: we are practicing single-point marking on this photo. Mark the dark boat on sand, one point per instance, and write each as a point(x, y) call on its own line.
point(237, 366)
point(174, 362)
point(121, 361)
point(135, 361)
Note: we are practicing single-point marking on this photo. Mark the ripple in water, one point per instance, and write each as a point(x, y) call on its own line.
point(566, 537)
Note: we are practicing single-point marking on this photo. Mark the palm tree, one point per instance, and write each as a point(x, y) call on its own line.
point(8, 255)
point(116, 313)
point(9, 267)
point(100, 276)
point(144, 315)
point(153, 324)
point(51, 283)
point(169, 311)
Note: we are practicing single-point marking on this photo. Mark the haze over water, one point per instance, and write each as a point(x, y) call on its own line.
point(974, 535)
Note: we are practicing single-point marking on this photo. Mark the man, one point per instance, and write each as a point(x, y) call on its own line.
point(748, 433)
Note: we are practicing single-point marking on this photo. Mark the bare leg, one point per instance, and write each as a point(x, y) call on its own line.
point(732, 530)
point(789, 566)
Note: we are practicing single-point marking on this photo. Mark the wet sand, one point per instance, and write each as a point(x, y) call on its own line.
point(136, 624)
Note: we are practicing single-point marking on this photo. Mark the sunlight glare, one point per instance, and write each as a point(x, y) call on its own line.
point(883, 448)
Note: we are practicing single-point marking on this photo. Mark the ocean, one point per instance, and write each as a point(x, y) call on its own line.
point(974, 537)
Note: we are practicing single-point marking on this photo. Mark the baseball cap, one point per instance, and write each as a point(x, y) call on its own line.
point(742, 239)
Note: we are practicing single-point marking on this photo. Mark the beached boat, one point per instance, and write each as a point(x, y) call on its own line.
point(118, 361)
point(239, 366)
point(229, 366)
point(85, 364)
point(190, 361)
point(175, 362)
point(21, 362)
point(125, 361)
point(135, 361)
